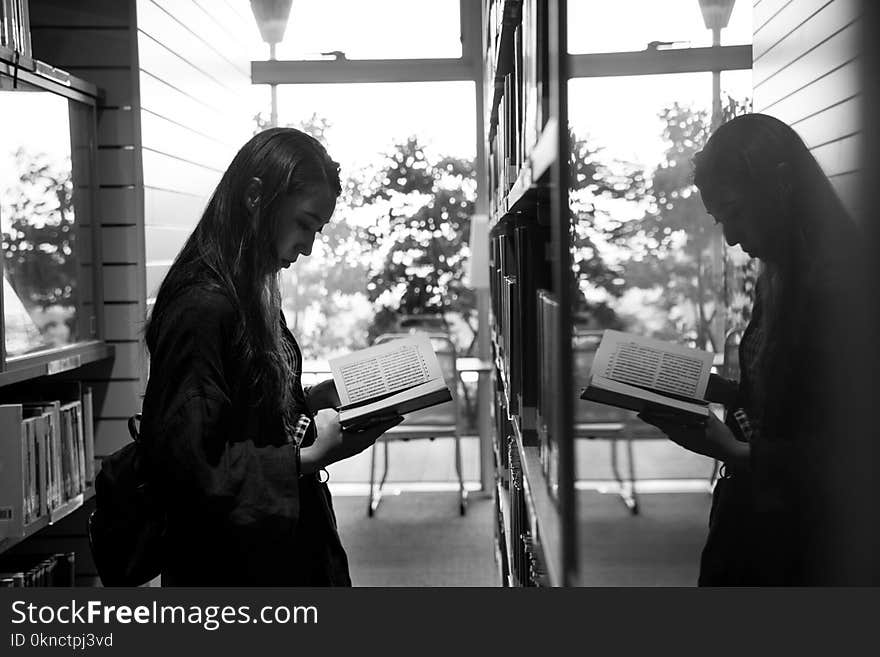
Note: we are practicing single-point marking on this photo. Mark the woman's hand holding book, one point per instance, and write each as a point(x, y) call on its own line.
point(322, 395)
point(334, 444)
point(711, 438)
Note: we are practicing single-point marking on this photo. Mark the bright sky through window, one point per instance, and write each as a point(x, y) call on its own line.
point(367, 118)
point(370, 29)
point(626, 25)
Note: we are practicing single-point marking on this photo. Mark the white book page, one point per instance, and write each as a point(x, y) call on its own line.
point(384, 368)
point(656, 364)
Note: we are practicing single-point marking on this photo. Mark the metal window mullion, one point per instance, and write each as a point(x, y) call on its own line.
point(661, 62)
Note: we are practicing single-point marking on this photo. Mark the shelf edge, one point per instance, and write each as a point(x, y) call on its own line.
point(54, 516)
point(542, 509)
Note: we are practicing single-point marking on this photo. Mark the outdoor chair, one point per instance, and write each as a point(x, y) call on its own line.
point(442, 420)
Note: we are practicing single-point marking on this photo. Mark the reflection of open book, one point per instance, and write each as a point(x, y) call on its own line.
point(643, 374)
point(393, 378)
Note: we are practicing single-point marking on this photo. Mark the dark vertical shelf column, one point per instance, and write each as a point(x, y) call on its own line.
point(560, 232)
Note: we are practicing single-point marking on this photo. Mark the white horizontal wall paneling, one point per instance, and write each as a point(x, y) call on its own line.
point(839, 156)
point(800, 26)
point(178, 174)
point(194, 115)
point(763, 11)
point(211, 28)
point(156, 58)
point(774, 84)
point(229, 17)
point(185, 41)
point(807, 72)
point(156, 271)
point(826, 90)
point(173, 138)
point(183, 105)
point(164, 243)
point(173, 209)
point(830, 123)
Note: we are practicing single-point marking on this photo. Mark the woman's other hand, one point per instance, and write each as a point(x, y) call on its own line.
point(323, 395)
point(333, 444)
point(711, 438)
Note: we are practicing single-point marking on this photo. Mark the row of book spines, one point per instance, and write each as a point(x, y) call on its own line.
point(516, 100)
point(525, 317)
point(15, 26)
point(54, 461)
point(526, 567)
point(499, 443)
point(37, 570)
point(518, 271)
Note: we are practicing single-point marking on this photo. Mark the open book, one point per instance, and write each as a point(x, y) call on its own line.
point(643, 374)
point(392, 378)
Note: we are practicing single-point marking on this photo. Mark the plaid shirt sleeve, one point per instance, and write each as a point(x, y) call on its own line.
point(300, 427)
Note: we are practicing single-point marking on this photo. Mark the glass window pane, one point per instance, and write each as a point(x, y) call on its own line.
point(378, 29)
point(390, 215)
point(395, 256)
point(628, 25)
point(364, 120)
point(38, 217)
point(648, 258)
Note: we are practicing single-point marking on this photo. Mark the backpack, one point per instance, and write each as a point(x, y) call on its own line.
point(127, 526)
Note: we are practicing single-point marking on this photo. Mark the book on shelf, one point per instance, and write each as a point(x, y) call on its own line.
point(15, 28)
point(393, 378)
point(643, 374)
point(24, 467)
point(88, 434)
point(45, 464)
point(26, 570)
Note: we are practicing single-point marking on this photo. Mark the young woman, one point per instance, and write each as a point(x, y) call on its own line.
point(773, 514)
point(233, 445)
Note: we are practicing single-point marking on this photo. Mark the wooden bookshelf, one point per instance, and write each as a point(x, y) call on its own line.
point(42, 375)
point(54, 516)
point(528, 182)
point(526, 139)
point(55, 362)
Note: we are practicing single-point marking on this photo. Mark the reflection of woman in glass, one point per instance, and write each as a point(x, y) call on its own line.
point(772, 519)
point(231, 435)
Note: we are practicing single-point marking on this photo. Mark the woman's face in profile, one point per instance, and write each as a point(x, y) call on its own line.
point(301, 217)
point(742, 215)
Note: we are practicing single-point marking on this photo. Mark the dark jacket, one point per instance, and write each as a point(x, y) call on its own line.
point(776, 523)
point(237, 512)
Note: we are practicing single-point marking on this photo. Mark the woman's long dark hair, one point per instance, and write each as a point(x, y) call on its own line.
point(233, 251)
point(813, 234)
